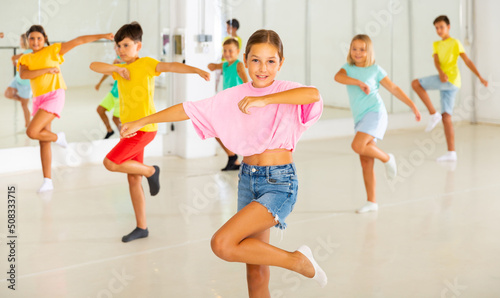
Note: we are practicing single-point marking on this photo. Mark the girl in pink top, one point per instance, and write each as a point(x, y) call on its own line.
point(261, 120)
point(42, 68)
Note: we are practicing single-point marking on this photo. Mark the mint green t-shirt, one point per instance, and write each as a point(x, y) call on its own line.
point(362, 103)
point(230, 75)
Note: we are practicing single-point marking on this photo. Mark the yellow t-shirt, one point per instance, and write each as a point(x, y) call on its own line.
point(137, 94)
point(228, 37)
point(448, 51)
point(44, 58)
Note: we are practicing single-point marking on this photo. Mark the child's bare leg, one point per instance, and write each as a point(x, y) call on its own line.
point(233, 242)
point(258, 275)
point(129, 167)
point(46, 156)
point(449, 132)
point(422, 93)
point(37, 129)
point(138, 199)
point(26, 110)
point(367, 164)
point(102, 113)
point(117, 122)
point(363, 145)
point(11, 93)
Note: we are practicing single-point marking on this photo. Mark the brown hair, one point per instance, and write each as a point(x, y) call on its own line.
point(39, 29)
point(370, 54)
point(132, 31)
point(231, 40)
point(442, 18)
point(265, 36)
point(24, 41)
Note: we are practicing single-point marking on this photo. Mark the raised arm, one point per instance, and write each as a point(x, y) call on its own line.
point(27, 74)
point(240, 68)
point(67, 46)
point(442, 76)
point(343, 78)
point(396, 91)
point(109, 69)
point(297, 96)
point(181, 68)
point(214, 66)
point(173, 114)
point(473, 68)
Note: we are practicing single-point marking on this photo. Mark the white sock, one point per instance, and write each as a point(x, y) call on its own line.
point(433, 121)
point(449, 156)
point(391, 168)
point(319, 275)
point(61, 140)
point(369, 206)
point(47, 185)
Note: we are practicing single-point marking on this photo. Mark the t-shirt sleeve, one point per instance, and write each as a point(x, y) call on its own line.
point(201, 115)
point(381, 73)
point(152, 63)
point(460, 47)
point(21, 60)
point(310, 113)
point(346, 66)
point(116, 75)
point(55, 49)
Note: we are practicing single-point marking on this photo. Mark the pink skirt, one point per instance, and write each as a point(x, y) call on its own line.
point(52, 102)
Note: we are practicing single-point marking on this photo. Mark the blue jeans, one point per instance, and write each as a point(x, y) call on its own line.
point(274, 187)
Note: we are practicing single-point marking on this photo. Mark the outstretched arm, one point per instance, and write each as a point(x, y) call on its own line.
point(473, 68)
point(396, 91)
point(343, 78)
point(214, 66)
point(173, 114)
point(109, 69)
point(67, 46)
point(241, 72)
point(181, 68)
point(15, 58)
point(297, 96)
point(27, 74)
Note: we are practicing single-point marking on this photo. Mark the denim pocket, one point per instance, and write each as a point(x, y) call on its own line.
point(281, 179)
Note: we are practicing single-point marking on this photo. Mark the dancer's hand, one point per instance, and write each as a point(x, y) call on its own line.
point(1, 34)
point(130, 129)
point(97, 86)
point(443, 77)
point(108, 36)
point(251, 102)
point(417, 114)
point(53, 70)
point(205, 75)
point(123, 72)
point(484, 82)
point(364, 87)
point(211, 66)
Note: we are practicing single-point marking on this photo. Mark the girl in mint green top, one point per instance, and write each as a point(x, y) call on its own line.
point(230, 75)
point(363, 79)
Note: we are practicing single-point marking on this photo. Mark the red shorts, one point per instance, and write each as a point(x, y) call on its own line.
point(131, 148)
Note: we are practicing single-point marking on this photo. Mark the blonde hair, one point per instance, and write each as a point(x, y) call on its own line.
point(24, 43)
point(370, 54)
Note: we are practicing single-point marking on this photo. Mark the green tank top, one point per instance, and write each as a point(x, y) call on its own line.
point(230, 75)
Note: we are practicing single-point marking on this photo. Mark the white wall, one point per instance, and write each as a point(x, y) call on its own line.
point(487, 60)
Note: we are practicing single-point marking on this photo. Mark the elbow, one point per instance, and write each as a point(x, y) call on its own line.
point(337, 78)
point(92, 66)
point(315, 95)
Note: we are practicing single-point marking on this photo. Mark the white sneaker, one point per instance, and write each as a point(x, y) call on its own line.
point(61, 140)
point(391, 169)
point(433, 121)
point(449, 156)
point(47, 185)
point(368, 207)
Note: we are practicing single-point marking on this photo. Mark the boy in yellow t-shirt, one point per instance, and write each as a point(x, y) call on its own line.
point(446, 53)
point(136, 89)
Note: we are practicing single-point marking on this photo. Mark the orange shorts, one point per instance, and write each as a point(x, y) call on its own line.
point(131, 148)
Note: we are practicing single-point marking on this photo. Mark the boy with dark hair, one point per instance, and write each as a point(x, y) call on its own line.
point(136, 89)
point(446, 53)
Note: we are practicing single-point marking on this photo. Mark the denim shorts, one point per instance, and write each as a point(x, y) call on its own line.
point(373, 123)
point(447, 90)
point(274, 187)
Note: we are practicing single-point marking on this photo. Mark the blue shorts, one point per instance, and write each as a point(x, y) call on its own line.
point(23, 91)
point(373, 123)
point(447, 90)
point(274, 187)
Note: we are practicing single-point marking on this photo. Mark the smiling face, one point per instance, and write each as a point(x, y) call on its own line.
point(263, 63)
point(442, 29)
point(359, 52)
point(36, 41)
point(231, 52)
point(128, 50)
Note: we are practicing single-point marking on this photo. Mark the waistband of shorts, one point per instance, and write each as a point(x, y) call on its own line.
point(268, 170)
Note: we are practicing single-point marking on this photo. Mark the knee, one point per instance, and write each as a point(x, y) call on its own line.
point(446, 117)
point(100, 110)
point(258, 277)
point(109, 165)
point(221, 247)
point(357, 147)
point(415, 84)
point(31, 133)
